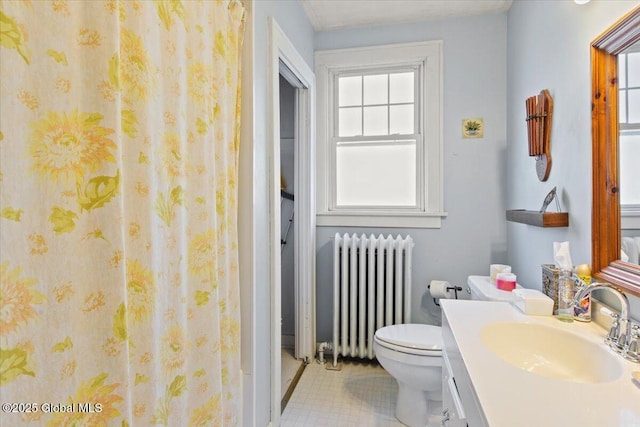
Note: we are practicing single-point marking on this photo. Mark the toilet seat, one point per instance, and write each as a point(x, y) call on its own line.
point(422, 340)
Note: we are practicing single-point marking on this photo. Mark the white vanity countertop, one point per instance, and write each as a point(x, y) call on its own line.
point(510, 397)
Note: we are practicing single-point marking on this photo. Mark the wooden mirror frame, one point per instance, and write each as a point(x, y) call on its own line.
point(605, 237)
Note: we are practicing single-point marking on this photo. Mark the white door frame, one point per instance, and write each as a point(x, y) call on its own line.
point(282, 50)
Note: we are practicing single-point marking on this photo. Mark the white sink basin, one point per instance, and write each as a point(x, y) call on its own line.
point(551, 352)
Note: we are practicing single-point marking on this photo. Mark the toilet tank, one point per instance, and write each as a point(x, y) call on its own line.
point(482, 289)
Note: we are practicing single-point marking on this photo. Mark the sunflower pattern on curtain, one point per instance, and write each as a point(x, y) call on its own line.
point(119, 130)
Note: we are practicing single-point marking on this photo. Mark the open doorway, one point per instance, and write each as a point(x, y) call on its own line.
point(291, 366)
point(287, 64)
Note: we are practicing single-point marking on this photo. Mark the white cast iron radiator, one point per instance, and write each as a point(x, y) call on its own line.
point(371, 289)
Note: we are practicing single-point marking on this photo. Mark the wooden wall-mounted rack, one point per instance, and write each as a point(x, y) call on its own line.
point(539, 219)
point(539, 114)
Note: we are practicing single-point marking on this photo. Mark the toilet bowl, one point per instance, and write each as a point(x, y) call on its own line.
point(412, 354)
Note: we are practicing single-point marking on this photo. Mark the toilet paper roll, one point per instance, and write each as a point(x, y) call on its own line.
point(438, 289)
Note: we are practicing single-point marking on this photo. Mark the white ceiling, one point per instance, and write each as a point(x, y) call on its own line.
point(328, 15)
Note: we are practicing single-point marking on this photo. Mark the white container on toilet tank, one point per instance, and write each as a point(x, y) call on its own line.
point(481, 288)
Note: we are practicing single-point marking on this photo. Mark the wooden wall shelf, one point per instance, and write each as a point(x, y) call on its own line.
point(538, 219)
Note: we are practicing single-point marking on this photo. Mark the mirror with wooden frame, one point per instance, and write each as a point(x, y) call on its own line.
point(606, 236)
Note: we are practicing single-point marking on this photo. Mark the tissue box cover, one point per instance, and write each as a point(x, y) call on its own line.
point(550, 280)
point(532, 302)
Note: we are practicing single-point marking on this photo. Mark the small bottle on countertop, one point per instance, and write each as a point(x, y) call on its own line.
point(566, 292)
point(582, 311)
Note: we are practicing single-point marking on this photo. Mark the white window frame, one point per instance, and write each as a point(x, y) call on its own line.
point(427, 58)
point(630, 214)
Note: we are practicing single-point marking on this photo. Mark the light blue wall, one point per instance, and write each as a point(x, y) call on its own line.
point(474, 233)
point(291, 18)
point(549, 48)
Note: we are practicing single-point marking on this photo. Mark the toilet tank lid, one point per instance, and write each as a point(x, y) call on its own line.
point(487, 291)
point(412, 335)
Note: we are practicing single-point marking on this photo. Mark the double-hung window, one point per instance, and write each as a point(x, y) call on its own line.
point(379, 136)
point(629, 115)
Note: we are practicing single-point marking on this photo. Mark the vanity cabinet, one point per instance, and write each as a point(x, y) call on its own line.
point(511, 391)
point(459, 398)
point(453, 414)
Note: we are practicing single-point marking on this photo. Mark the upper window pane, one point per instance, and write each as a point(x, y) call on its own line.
point(634, 105)
point(401, 87)
point(402, 119)
point(633, 69)
point(350, 121)
point(349, 91)
point(376, 89)
point(386, 101)
point(375, 121)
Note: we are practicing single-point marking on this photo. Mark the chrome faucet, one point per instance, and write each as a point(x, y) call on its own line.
point(619, 337)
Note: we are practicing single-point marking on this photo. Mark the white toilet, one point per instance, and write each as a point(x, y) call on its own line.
point(412, 354)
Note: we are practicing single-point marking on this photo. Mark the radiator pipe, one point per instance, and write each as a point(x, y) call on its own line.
point(321, 349)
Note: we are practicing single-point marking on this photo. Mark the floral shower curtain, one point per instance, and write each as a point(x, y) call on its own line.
point(119, 130)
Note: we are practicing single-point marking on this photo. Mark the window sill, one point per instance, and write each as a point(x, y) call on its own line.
point(380, 220)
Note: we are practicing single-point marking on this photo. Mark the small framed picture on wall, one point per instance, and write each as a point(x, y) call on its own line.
point(473, 128)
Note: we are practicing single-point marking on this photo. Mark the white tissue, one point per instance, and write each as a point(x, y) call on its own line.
point(495, 269)
point(562, 256)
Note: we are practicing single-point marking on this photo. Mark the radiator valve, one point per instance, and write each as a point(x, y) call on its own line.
point(321, 349)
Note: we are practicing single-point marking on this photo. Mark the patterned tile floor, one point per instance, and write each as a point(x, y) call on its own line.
point(361, 394)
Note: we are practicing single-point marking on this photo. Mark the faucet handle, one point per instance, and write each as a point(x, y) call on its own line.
point(634, 340)
point(614, 329)
point(623, 335)
point(633, 350)
point(607, 312)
